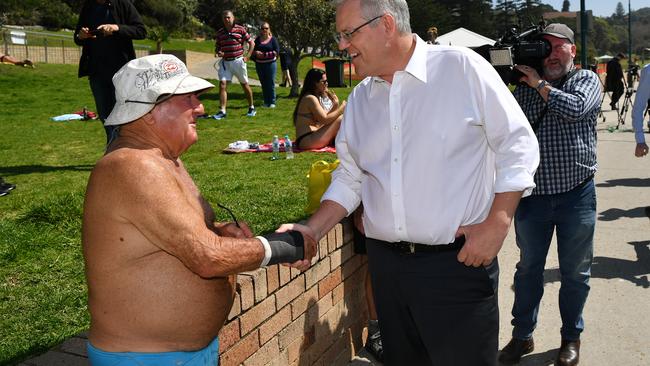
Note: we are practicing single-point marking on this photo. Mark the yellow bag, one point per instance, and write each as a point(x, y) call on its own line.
point(319, 178)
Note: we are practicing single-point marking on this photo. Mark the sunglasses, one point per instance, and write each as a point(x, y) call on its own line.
point(232, 215)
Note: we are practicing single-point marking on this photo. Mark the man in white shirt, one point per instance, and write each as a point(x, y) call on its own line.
point(638, 110)
point(439, 152)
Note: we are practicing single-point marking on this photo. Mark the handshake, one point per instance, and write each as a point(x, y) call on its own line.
point(288, 245)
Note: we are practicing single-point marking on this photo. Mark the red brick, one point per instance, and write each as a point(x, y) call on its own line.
point(338, 292)
point(229, 335)
point(267, 352)
point(327, 284)
point(317, 272)
point(304, 301)
point(290, 291)
point(295, 273)
point(335, 259)
point(235, 310)
point(340, 346)
point(246, 291)
point(347, 252)
point(292, 331)
point(351, 266)
point(259, 283)
point(275, 324)
point(331, 241)
point(272, 278)
point(338, 230)
point(319, 309)
point(322, 247)
point(240, 351)
point(257, 315)
point(285, 275)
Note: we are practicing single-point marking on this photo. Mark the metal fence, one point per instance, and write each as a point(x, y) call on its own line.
point(46, 47)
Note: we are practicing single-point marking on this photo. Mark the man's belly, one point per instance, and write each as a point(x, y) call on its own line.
point(155, 304)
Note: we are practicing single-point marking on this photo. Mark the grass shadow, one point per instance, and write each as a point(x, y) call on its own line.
point(37, 168)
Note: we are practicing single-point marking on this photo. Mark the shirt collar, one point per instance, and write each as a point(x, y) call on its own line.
point(417, 65)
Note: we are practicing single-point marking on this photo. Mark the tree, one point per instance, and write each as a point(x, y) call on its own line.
point(566, 5)
point(161, 17)
point(506, 15)
point(306, 26)
point(620, 11)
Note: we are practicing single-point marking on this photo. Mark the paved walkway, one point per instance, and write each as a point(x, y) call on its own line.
point(204, 68)
point(617, 319)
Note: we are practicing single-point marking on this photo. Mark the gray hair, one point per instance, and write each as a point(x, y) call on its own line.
point(398, 9)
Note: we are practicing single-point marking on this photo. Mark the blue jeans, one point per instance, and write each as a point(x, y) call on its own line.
point(266, 73)
point(573, 216)
point(104, 94)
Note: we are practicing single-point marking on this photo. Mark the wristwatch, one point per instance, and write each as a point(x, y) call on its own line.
point(542, 83)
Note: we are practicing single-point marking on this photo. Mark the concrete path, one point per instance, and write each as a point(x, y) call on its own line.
point(204, 67)
point(617, 313)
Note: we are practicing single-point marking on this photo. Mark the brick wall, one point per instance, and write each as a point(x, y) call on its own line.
point(284, 317)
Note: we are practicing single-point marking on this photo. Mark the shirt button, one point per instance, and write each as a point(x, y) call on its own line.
point(395, 128)
point(399, 228)
point(395, 160)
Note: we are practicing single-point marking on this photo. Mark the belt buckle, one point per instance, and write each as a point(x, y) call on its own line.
point(412, 248)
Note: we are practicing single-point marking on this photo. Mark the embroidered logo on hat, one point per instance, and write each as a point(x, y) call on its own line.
point(141, 82)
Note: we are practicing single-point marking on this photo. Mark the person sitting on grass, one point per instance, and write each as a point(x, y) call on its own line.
point(6, 59)
point(318, 113)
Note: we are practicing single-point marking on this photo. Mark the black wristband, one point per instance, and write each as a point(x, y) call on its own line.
point(286, 247)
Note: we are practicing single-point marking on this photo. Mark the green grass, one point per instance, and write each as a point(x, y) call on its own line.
point(42, 286)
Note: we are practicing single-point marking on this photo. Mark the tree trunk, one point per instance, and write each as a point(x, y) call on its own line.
point(293, 71)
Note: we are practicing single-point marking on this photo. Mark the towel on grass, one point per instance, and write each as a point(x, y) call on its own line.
point(244, 146)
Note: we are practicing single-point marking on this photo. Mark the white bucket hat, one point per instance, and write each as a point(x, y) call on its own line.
point(140, 83)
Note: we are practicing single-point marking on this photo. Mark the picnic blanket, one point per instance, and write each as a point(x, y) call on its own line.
point(244, 146)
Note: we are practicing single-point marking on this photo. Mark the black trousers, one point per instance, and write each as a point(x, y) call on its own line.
point(617, 91)
point(432, 309)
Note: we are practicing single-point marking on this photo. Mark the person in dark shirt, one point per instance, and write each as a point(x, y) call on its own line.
point(105, 30)
point(265, 55)
point(614, 79)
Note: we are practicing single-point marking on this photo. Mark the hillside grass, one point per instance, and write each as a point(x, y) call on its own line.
point(42, 286)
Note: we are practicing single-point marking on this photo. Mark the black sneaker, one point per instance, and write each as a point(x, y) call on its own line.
point(251, 112)
point(5, 188)
point(374, 347)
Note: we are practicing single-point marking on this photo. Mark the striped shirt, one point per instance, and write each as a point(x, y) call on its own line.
point(232, 43)
point(566, 131)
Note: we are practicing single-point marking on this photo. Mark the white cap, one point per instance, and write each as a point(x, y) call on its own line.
point(140, 83)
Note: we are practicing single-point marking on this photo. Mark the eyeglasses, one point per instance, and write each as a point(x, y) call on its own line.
point(265, 28)
point(348, 35)
point(324, 81)
point(230, 212)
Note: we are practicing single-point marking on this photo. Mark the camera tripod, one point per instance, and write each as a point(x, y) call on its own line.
point(622, 112)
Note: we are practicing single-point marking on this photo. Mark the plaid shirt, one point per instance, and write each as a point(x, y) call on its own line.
point(566, 133)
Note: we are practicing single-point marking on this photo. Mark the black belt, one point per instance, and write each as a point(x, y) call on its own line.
point(408, 248)
point(584, 182)
point(232, 58)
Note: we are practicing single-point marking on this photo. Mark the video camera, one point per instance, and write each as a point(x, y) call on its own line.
point(513, 48)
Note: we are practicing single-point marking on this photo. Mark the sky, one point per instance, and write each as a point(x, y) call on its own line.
point(601, 8)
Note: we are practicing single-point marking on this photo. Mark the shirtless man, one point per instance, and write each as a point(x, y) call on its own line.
point(160, 270)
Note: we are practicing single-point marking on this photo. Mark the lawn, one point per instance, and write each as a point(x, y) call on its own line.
point(42, 290)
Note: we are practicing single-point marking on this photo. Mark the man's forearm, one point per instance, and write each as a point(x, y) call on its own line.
point(326, 217)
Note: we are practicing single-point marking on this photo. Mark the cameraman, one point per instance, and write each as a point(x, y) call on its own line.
point(614, 81)
point(640, 105)
point(562, 107)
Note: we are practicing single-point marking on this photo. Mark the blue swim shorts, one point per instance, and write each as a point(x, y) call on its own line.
point(207, 356)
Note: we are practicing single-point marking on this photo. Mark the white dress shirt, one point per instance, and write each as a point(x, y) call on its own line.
point(427, 153)
point(640, 103)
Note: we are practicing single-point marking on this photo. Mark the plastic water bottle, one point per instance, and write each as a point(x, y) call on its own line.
point(276, 148)
point(288, 147)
